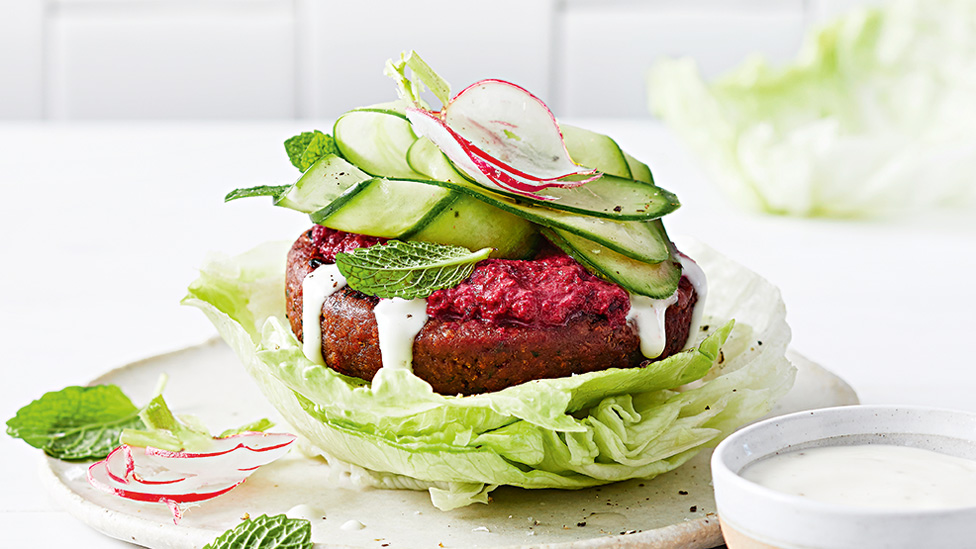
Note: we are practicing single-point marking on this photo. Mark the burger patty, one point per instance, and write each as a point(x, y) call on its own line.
point(463, 355)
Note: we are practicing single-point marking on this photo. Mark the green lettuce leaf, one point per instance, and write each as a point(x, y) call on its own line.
point(874, 117)
point(570, 432)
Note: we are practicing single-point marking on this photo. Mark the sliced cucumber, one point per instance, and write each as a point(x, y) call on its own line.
point(609, 197)
point(475, 224)
point(595, 150)
point(321, 184)
point(639, 170)
point(640, 240)
point(339, 195)
point(376, 139)
point(385, 208)
point(600, 152)
point(656, 280)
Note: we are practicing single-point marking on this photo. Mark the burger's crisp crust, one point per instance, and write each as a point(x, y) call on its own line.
point(474, 356)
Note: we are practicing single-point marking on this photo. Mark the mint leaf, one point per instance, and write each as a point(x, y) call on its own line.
point(76, 423)
point(273, 191)
point(407, 270)
point(306, 148)
point(295, 146)
point(264, 532)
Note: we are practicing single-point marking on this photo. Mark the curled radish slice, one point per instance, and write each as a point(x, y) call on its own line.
point(241, 452)
point(147, 484)
point(504, 138)
point(176, 478)
point(514, 127)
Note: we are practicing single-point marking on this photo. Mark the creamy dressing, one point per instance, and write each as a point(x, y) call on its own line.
point(648, 314)
point(316, 287)
point(870, 475)
point(305, 511)
point(694, 273)
point(398, 322)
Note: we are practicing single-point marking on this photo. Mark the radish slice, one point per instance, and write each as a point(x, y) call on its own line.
point(427, 124)
point(503, 137)
point(241, 452)
point(141, 487)
point(514, 127)
point(177, 478)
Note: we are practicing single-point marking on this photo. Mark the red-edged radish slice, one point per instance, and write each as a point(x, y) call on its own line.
point(176, 478)
point(461, 153)
point(514, 129)
point(241, 452)
point(427, 124)
point(140, 487)
point(120, 466)
point(503, 137)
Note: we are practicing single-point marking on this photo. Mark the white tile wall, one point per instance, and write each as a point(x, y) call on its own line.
point(146, 59)
point(608, 48)
point(351, 41)
point(21, 59)
point(84, 59)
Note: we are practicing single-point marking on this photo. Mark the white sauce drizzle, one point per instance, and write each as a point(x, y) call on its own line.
point(870, 475)
point(316, 287)
point(352, 524)
point(305, 511)
point(696, 276)
point(398, 322)
point(648, 316)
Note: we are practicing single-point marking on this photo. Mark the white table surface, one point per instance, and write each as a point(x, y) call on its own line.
point(103, 226)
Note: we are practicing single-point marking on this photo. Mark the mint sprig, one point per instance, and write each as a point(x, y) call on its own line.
point(303, 150)
point(76, 423)
point(407, 270)
point(307, 147)
point(274, 191)
point(264, 532)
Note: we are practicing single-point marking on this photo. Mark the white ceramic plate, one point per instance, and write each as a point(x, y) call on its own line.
point(673, 510)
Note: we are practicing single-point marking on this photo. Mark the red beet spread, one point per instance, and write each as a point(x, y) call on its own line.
point(550, 289)
point(547, 290)
point(330, 242)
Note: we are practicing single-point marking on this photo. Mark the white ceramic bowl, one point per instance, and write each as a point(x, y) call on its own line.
point(755, 517)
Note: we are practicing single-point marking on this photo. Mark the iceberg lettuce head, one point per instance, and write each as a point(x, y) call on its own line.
point(874, 117)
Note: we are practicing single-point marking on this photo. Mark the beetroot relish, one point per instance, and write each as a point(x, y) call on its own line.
point(329, 242)
point(550, 289)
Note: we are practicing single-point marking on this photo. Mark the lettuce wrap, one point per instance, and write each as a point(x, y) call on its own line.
point(571, 432)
